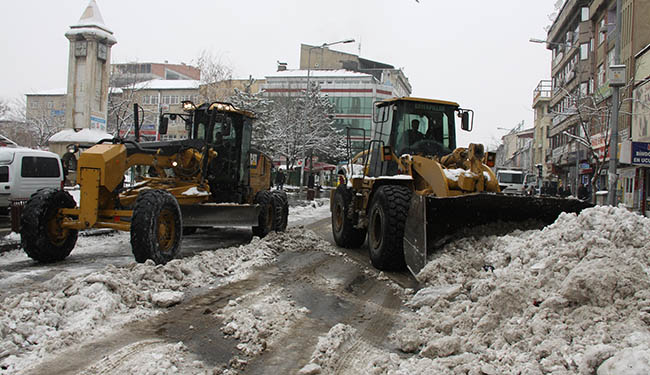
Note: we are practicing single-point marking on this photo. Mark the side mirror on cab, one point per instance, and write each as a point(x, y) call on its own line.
point(164, 123)
point(465, 121)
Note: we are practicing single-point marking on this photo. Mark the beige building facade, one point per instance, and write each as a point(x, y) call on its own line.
point(323, 58)
point(542, 122)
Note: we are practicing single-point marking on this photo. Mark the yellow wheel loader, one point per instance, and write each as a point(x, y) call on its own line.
point(213, 178)
point(412, 187)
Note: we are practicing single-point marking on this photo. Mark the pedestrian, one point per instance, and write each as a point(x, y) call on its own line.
point(567, 191)
point(340, 177)
point(279, 180)
point(310, 181)
point(582, 192)
point(531, 190)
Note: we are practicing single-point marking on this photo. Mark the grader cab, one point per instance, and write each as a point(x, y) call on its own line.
point(213, 178)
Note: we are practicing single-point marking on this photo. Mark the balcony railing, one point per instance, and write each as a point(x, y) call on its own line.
point(543, 90)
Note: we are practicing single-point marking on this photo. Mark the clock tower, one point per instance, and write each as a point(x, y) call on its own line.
point(88, 71)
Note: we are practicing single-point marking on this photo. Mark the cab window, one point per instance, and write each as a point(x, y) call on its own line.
point(424, 128)
point(200, 131)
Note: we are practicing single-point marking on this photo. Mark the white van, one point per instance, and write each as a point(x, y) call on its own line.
point(511, 181)
point(23, 171)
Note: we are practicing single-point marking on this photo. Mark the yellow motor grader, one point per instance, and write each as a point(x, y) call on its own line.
point(412, 187)
point(212, 178)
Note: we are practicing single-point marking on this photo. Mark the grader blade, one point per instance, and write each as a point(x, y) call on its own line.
point(220, 215)
point(432, 218)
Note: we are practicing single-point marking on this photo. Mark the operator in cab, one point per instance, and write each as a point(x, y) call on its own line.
point(426, 135)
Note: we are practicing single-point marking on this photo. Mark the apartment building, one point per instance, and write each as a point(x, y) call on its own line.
point(582, 39)
point(155, 97)
point(350, 82)
point(319, 58)
point(222, 90)
point(352, 94)
point(542, 122)
point(125, 74)
point(44, 110)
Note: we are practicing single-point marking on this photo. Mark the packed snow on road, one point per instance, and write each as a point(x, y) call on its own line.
point(571, 298)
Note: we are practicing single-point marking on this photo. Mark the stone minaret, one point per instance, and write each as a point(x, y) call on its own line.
point(88, 71)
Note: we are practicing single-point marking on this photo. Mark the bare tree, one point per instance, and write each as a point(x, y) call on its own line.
point(294, 127)
point(304, 126)
point(262, 107)
point(4, 109)
point(594, 113)
point(215, 77)
point(124, 91)
point(40, 122)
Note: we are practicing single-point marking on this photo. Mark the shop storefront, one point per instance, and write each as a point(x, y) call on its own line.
point(635, 179)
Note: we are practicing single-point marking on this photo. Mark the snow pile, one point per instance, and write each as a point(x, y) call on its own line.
point(329, 349)
point(70, 308)
point(151, 357)
point(259, 319)
point(82, 136)
point(573, 298)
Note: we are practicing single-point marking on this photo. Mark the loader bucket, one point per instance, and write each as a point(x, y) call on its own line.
point(432, 218)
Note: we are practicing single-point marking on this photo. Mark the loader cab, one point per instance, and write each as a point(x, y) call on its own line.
point(418, 126)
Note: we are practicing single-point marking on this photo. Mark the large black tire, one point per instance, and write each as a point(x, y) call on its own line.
point(345, 234)
point(42, 236)
point(281, 209)
point(388, 211)
point(156, 227)
point(265, 220)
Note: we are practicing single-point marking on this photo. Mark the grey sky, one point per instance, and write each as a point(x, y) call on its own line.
point(474, 52)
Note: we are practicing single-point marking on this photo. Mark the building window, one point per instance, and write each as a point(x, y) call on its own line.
point(33, 104)
point(601, 75)
point(50, 105)
point(610, 58)
point(584, 51)
point(584, 14)
point(602, 32)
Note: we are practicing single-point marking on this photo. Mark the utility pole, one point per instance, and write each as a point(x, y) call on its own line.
point(613, 148)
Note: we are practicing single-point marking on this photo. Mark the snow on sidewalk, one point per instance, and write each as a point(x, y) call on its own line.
point(310, 212)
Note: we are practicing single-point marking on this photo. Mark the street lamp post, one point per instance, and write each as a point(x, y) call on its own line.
point(613, 140)
point(324, 45)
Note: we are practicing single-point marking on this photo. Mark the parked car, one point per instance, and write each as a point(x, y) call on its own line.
point(23, 171)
